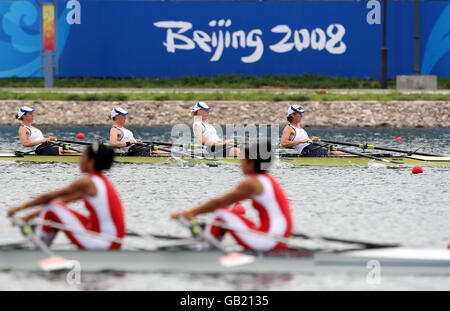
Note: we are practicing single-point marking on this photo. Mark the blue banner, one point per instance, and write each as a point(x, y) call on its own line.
point(169, 39)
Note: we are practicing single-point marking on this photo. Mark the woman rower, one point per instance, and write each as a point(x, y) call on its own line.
point(207, 134)
point(106, 215)
point(267, 198)
point(123, 139)
point(294, 136)
point(31, 136)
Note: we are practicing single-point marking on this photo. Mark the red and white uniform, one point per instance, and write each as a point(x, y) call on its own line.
point(106, 216)
point(274, 215)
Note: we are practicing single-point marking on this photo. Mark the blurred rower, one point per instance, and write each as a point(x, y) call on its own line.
point(30, 136)
point(106, 215)
point(207, 134)
point(267, 197)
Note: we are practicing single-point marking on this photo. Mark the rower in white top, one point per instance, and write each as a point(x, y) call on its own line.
point(294, 136)
point(31, 136)
point(207, 134)
point(123, 139)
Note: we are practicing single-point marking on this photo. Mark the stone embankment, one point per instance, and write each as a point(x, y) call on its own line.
point(396, 114)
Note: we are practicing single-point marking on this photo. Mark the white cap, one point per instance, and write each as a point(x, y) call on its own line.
point(24, 110)
point(200, 105)
point(116, 111)
point(295, 108)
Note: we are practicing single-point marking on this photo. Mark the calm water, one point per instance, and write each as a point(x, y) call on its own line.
point(377, 203)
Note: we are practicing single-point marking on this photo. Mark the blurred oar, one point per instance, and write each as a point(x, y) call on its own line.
point(53, 262)
point(231, 259)
point(367, 146)
point(132, 233)
point(344, 241)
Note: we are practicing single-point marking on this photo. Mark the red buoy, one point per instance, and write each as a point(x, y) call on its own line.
point(399, 139)
point(448, 246)
point(417, 170)
point(238, 209)
point(321, 92)
point(80, 136)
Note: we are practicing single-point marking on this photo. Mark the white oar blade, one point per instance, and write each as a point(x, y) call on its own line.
point(55, 263)
point(236, 259)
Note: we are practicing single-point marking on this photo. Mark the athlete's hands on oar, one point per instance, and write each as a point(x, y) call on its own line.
point(135, 141)
point(50, 138)
point(315, 139)
point(229, 142)
point(15, 209)
point(188, 214)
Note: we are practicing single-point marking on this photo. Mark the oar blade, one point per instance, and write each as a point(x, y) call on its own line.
point(55, 263)
point(236, 259)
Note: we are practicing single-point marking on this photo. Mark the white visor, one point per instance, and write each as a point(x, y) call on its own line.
point(24, 110)
point(116, 111)
point(295, 108)
point(200, 105)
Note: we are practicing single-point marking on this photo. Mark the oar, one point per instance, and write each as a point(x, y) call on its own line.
point(334, 148)
point(183, 154)
point(344, 241)
point(270, 236)
point(53, 262)
point(51, 144)
point(75, 142)
point(132, 233)
point(367, 146)
point(107, 237)
point(232, 259)
point(288, 241)
point(185, 146)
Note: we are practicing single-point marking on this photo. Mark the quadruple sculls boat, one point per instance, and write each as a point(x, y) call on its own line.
point(196, 154)
point(177, 254)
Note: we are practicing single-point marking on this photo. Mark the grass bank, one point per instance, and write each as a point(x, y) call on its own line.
point(216, 81)
point(241, 96)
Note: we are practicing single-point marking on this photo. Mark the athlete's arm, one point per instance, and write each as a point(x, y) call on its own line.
point(249, 186)
point(114, 139)
point(79, 187)
point(199, 135)
point(23, 135)
point(288, 133)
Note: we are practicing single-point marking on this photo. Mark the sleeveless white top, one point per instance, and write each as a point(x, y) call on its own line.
point(209, 132)
point(300, 134)
point(127, 135)
point(35, 135)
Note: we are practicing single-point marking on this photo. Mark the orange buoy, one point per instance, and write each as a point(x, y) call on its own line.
point(80, 136)
point(417, 170)
point(399, 139)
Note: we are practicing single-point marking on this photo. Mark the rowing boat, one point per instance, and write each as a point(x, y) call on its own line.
point(394, 260)
point(290, 159)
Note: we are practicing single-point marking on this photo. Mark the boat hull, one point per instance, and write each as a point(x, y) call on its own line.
point(392, 261)
point(296, 161)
